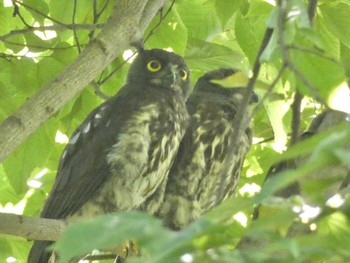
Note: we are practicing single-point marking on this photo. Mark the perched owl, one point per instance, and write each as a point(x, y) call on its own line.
point(194, 178)
point(123, 150)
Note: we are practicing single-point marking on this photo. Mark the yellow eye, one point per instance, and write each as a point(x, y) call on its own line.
point(154, 65)
point(183, 74)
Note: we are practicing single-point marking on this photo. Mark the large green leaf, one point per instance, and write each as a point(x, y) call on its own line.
point(108, 230)
point(63, 11)
point(172, 33)
point(202, 22)
point(25, 76)
point(319, 77)
point(204, 56)
point(40, 6)
point(249, 32)
point(336, 15)
point(33, 153)
point(226, 9)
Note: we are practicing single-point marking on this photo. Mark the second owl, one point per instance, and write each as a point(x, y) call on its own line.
point(204, 153)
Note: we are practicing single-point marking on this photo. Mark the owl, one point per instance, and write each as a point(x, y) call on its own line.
point(203, 157)
point(123, 150)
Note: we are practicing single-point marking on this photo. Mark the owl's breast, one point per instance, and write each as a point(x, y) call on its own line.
point(140, 160)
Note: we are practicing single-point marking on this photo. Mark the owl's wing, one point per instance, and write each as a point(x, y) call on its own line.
point(83, 167)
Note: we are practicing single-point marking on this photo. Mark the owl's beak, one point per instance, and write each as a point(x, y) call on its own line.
point(175, 73)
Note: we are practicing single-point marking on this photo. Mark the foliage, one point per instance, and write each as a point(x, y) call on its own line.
point(311, 56)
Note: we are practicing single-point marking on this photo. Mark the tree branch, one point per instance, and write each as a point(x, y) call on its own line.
point(126, 25)
point(242, 115)
point(51, 27)
point(296, 110)
point(31, 228)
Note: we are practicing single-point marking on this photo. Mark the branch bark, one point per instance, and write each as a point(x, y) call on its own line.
point(126, 25)
point(31, 228)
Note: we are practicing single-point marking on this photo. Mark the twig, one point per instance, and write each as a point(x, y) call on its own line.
point(97, 15)
point(76, 39)
point(104, 257)
point(268, 92)
point(40, 13)
point(311, 10)
point(37, 47)
point(161, 19)
point(98, 91)
point(242, 121)
point(311, 51)
point(282, 4)
point(116, 69)
point(16, 12)
point(296, 109)
point(50, 27)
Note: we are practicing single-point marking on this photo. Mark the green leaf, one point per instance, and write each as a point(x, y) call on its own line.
point(41, 7)
point(33, 153)
point(297, 11)
point(202, 22)
point(322, 156)
point(271, 48)
point(110, 230)
point(15, 43)
point(48, 68)
point(337, 19)
point(326, 41)
point(35, 43)
point(249, 32)
point(227, 209)
point(24, 76)
point(204, 56)
point(274, 106)
point(325, 139)
point(62, 11)
point(8, 195)
point(171, 33)
point(345, 59)
point(225, 9)
point(322, 75)
point(260, 8)
point(6, 250)
point(64, 53)
point(8, 91)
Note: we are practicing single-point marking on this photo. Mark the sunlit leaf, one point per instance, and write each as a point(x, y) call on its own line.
point(336, 15)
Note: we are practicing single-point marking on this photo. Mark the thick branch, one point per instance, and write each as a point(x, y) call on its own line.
point(31, 228)
point(126, 25)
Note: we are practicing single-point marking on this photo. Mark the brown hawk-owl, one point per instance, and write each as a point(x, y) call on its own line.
point(203, 157)
point(123, 150)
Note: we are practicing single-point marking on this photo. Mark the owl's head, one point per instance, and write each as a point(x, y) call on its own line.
point(228, 82)
point(161, 69)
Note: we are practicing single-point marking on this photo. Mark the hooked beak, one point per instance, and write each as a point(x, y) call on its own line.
point(175, 73)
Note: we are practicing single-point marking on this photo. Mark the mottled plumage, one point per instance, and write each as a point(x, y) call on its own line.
point(123, 150)
point(194, 179)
